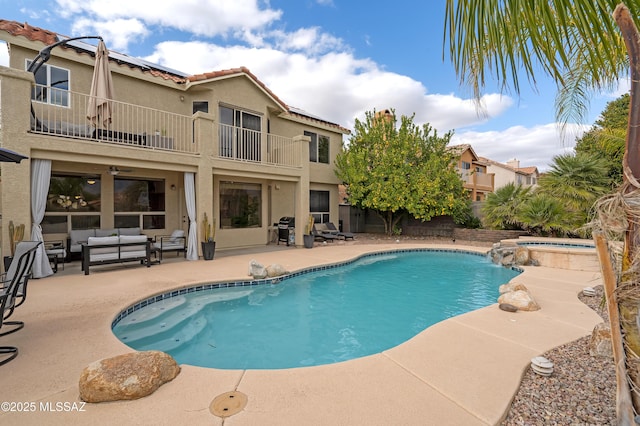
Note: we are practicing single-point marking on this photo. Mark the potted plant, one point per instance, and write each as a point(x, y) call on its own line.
point(308, 236)
point(16, 234)
point(208, 234)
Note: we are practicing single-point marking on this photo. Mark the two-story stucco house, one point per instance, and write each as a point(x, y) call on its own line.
point(473, 172)
point(511, 172)
point(177, 146)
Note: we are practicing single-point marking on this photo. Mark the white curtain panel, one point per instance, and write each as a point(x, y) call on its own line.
point(40, 178)
point(190, 198)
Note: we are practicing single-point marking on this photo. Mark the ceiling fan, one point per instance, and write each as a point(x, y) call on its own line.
point(114, 171)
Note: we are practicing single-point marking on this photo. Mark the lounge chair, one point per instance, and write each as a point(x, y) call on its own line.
point(322, 236)
point(345, 235)
point(14, 287)
point(177, 242)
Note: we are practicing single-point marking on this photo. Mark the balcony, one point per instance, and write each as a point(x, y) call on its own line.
point(475, 180)
point(64, 113)
point(235, 143)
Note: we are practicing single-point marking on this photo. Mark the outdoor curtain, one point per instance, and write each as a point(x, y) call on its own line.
point(190, 198)
point(40, 178)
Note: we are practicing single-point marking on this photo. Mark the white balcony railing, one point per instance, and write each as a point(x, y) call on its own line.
point(64, 113)
point(239, 144)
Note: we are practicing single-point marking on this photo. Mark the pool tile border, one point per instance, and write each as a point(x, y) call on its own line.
point(250, 283)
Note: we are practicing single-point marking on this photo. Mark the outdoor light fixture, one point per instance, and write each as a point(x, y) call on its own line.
point(91, 181)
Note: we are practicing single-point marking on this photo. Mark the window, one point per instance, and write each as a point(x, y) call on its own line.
point(466, 165)
point(318, 148)
point(240, 134)
point(74, 200)
point(319, 206)
point(135, 199)
point(240, 205)
point(478, 169)
point(200, 106)
point(52, 85)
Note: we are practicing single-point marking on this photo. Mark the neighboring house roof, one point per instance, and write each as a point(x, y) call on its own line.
point(531, 170)
point(48, 37)
point(458, 150)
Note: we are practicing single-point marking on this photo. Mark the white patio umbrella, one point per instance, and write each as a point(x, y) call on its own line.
point(101, 95)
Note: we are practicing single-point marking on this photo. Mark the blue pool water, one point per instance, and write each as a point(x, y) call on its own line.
point(321, 317)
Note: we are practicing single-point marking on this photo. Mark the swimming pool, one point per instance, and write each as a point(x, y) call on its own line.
point(327, 315)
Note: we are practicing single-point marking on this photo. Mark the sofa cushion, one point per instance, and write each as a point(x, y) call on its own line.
point(129, 231)
point(106, 232)
point(127, 239)
point(98, 241)
point(77, 236)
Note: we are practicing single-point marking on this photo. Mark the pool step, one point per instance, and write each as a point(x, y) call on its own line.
point(178, 337)
point(166, 320)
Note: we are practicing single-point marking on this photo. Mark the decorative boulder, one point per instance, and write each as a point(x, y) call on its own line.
point(128, 376)
point(505, 288)
point(507, 260)
point(257, 270)
point(522, 256)
point(521, 299)
point(275, 270)
point(600, 343)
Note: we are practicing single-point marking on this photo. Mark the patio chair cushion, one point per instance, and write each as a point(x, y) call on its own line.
point(176, 236)
point(129, 231)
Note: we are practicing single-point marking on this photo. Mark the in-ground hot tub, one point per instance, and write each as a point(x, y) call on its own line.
point(564, 253)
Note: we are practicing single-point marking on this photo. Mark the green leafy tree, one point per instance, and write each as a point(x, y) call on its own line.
point(501, 207)
point(584, 47)
point(606, 138)
point(400, 169)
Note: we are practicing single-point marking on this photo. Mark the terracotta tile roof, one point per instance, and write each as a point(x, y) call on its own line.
point(48, 37)
point(27, 31)
point(528, 170)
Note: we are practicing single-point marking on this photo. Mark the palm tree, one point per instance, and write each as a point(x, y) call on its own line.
point(578, 181)
point(501, 207)
point(545, 215)
point(584, 47)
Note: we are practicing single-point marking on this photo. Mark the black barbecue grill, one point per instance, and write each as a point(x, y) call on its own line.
point(286, 230)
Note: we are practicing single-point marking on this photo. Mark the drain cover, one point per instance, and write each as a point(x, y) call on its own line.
point(228, 404)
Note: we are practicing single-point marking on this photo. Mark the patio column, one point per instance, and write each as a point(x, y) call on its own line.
point(205, 137)
point(302, 188)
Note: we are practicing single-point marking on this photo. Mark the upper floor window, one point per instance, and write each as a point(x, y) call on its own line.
point(240, 134)
point(52, 85)
point(318, 148)
point(479, 170)
point(465, 165)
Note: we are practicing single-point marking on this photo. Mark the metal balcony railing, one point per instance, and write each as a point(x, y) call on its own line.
point(64, 113)
point(239, 144)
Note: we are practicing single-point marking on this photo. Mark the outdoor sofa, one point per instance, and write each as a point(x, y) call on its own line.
point(116, 249)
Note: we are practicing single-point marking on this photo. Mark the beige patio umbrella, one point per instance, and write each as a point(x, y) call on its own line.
point(101, 95)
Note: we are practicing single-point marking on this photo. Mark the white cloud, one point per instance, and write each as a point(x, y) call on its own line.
point(199, 17)
point(117, 34)
point(534, 146)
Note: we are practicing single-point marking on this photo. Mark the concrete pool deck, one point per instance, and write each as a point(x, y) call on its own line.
point(464, 370)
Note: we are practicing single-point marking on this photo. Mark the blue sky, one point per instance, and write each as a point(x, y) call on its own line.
point(333, 58)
